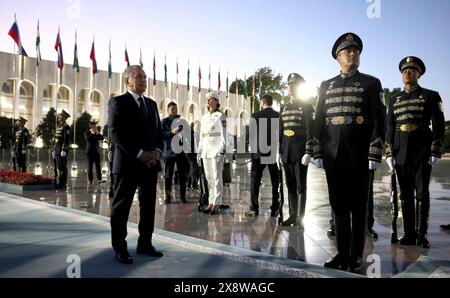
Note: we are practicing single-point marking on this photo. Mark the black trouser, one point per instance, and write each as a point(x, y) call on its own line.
point(193, 171)
point(19, 161)
point(94, 158)
point(256, 176)
point(414, 181)
point(370, 219)
point(347, 190)
point(182, 166)
point(296, 183)
point(60, 166)
point(125, 186)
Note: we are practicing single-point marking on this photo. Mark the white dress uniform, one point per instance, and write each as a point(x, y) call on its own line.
point(211, 149)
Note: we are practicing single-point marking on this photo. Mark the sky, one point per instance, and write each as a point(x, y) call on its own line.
point(240, 36)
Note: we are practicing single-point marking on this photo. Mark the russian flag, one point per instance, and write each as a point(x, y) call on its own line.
point(127, 60)
point(94, 62)
point(15, 34)
point(58, 48)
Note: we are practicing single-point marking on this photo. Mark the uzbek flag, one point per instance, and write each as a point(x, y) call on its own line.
point(109, 62)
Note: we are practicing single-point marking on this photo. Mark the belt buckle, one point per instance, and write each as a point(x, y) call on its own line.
point(408, 127)
point(288, 132)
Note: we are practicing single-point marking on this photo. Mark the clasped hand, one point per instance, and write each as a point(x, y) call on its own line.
point(150, 158)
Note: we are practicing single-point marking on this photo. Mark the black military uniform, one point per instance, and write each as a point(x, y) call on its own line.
point(60, 151)
point(411, 142)
point(349, 132)
point(93, 153)
point(296, 135)
point(19, 157)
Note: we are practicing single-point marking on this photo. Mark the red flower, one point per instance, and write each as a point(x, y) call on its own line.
point(13, 177)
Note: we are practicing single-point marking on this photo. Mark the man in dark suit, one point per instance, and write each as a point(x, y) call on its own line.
point(264, 156)
point(137, 139)
point(92, 138)
point(20, 146)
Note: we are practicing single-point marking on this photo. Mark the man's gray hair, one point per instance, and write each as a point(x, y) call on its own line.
point(128, 72)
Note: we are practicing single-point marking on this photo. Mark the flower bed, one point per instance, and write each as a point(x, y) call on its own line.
point(12, 177)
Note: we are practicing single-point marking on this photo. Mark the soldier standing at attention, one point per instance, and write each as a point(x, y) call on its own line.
point(93, 137)
point(413, 147)
point(296, 147)
point(60, 150)
point(349, 132)
point(20, 146)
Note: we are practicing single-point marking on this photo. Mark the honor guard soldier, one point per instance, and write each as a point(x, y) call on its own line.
point(19, 158)
point(296, 147)
point(60, 150)
point(212, 149)
point(413, 147)
point(349, 133)
point(93, 137)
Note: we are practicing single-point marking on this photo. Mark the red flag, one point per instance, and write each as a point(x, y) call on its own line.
point(15, 34)
point(94, 61)
point(127, 60)
point(58, 48)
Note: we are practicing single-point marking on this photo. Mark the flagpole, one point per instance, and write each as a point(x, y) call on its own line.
point(35, 117)
point(14, 94)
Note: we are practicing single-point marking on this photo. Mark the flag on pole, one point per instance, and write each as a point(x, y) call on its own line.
point(109, 62)
point(188, 73)
point(236, 87)
point(94, 61)
point(154, 69)
point(245, 86)
point(75, 64)
point(209, 79)
point(165, 70)
point(219, 83)
point(260, 87)
point(177, 73)
point(141, 63)
point(199, 79)
point(253, 88)
point(227, 84)
point(58, 48)
point(38, 46)
point(127, 59)
point(15, 34)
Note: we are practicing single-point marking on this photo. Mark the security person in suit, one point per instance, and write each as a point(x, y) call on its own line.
point(20, 146)
point(93, 137)
point(60, 149)
point(262, 123)
point(296, 147)
point(173, 127)
point(413, 147)
point(349, 133)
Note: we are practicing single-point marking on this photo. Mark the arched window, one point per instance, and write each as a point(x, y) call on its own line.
point(6, 89)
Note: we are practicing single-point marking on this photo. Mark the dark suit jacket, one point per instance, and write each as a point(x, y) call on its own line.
point(92, 146)
point(131, 132)
point(268, 114)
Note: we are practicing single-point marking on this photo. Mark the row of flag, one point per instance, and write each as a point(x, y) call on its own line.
point(15, 35)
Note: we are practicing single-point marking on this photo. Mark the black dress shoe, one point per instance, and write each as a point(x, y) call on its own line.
point(252, 213)
point(407, 240)
point(422, 241)
point(445, 227)
point(124, 257)
point(372, 233)
point(289, 222)
point(331, 232)
point(337, 262)
point(355, 265)
point(224, 206)
point(149, 251)
point(215, 210)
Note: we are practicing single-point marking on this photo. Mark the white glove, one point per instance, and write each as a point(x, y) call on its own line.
point(199, 158)
point(24, 151)
point(391, 164)
point(434, 160)
point(306, 159)
point(318, 162)
point(110, 155)
point(279, 159)
point(53, 154)
point(63, 153)
point(373, 165)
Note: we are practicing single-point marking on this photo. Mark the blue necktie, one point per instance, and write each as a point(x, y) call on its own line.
point(143, 107)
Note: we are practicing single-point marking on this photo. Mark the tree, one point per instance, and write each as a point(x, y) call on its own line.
point(6, 132)
point(82, 124)
point(388, 94)
point(46, 128)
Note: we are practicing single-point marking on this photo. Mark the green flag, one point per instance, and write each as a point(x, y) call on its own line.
point(227, 84)
point(165, 71)
point(75, 65)
point(109, 62)
point(38, 46)
point(188, 73)
point(245, 87)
